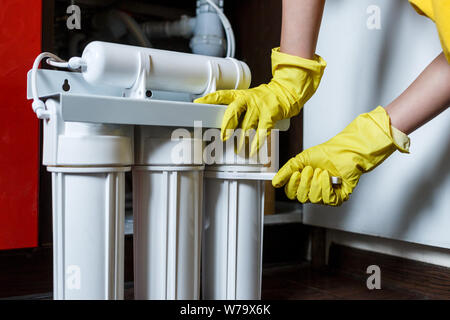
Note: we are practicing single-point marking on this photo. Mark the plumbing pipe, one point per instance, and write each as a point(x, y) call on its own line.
point(207, 29)
point(133, 27)
point(184, 27)
point(208, 33)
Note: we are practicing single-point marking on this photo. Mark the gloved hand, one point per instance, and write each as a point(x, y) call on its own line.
point(365, 143)
point(294, 81)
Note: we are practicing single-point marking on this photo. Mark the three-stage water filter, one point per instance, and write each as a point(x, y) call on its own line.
point(183, 213)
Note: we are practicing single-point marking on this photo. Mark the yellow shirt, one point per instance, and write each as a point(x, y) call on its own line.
point(439, 12)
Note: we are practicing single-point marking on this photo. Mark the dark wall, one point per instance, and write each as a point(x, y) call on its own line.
point(257, 28)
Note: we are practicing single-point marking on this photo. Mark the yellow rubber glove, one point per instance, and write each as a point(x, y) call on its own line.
point(365, 143)
point(294, 81)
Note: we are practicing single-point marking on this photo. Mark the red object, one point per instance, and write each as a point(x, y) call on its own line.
point(20, 43)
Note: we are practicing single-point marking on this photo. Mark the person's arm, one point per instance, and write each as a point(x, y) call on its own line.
point(296, 74)
point(366, 142)
point(300, 27)
point(424, 99)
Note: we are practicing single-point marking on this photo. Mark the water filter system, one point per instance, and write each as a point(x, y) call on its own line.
point(101, 122)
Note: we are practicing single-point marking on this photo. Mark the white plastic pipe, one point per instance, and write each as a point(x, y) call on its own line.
point(208, 36)
point(121, 65)
point(183, 27)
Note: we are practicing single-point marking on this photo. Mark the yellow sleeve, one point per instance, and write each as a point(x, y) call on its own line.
point(439, 12)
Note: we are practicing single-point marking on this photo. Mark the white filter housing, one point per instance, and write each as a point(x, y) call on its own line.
point(88, 164)
point(88, 233)
point(85, 144)
point(232, 238)
point(233, 221)
point(167, 202)
point(121, 65)
point(167, 232)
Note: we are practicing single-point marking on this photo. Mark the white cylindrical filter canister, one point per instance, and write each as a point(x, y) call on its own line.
point(167, 232)
point(88, 232)
point(232, 238)
point(233, 221)
point(120, 65)
point(167, 202)
point(80, 144)
point(88, 163)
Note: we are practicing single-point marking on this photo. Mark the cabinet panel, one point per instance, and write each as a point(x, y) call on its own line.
point(20, 42)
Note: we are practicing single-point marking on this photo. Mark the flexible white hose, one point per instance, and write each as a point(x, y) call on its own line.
point(38, 105)
point(231, 42)
point(57, 64)
point(53, 60)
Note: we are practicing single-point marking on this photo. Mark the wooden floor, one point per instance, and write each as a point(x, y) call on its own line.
point(302, 282)
point(27, 274)
point(344, 278)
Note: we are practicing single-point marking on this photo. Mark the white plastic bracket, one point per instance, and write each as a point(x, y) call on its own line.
point(213, 77)
point(139, 88)
point(239, 72)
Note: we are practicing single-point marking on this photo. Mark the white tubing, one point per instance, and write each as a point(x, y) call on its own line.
point(38, 105)
point(55, 61)
point(231, 43)
point(57, 64)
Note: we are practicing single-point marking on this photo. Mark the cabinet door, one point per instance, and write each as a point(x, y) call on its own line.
point(20, 43)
